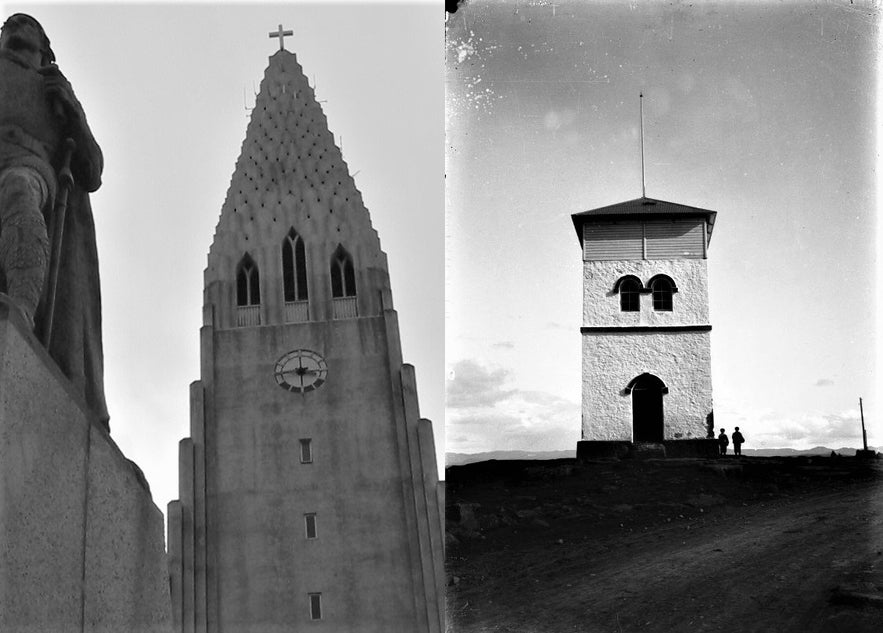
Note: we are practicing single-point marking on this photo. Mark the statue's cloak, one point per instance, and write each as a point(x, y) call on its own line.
point(31, 135)
point(76, 325)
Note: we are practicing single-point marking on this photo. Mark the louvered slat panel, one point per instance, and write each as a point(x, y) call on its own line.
point(612, 240)
point(674, 239)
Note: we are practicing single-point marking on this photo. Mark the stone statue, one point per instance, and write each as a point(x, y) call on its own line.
point(39, 117)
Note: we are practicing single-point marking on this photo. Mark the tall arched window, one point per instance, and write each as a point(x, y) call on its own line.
point(343, 277)
point(629, 288)
point(248, 286)
point(663, 287)
point(294, 267)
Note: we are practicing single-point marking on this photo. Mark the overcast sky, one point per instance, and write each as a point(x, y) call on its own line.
point(763, 112)
point(166, 89)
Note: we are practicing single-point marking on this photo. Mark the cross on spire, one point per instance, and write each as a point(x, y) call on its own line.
point(281, 35)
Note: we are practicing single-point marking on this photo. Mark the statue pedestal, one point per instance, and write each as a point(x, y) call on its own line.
point(81, 541)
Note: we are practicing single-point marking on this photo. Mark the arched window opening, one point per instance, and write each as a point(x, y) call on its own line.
point(294, 267)
point(343, 276)
point(248, 287)
point(343, 285)
point(663, 287)
point(248, 293)
point(629, 294)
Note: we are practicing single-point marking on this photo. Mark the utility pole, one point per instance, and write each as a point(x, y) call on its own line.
point(864, 433)
point(866, 453)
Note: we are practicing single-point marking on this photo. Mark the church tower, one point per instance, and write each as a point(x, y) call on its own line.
point(646, 331)
point(309, 495)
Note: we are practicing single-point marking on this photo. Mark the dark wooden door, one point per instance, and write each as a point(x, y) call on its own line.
point(647, 413)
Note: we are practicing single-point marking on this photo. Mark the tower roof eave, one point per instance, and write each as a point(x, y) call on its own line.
point(643, 208)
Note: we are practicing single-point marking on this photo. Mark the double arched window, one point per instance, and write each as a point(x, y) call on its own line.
point(294, 267)
point(248, 285)
point(630, 289)
point(343, 277)
point(248, 292)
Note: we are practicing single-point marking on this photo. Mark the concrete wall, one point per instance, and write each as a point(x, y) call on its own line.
point(378, 558)
point(361, 562)
point(81, 542)
point(681, 359)
point(240, 558)
point(601, 305)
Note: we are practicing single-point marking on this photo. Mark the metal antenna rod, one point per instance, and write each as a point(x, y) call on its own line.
point(643, 189)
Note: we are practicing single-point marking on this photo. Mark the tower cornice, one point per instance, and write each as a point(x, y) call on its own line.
point(641, 209)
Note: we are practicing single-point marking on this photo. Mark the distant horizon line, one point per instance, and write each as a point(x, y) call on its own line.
point(573, 450)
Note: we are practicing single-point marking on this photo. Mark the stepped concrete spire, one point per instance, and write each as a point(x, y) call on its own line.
point(309, 492)
point(290, 173)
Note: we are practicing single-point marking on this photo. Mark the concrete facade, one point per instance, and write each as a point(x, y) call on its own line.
point(670, 348)
point(81, 542)
point(241, 556)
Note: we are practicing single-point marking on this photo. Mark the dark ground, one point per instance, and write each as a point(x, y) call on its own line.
point(756, 544)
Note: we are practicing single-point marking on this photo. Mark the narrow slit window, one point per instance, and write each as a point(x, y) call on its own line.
point(310, 525)
point(306, 451)
point(315, 606)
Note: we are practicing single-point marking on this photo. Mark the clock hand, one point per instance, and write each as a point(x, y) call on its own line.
point(300, 371)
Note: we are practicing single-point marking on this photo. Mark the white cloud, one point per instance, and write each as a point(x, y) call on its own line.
point(483, 415)
point(833, 430)
point(471, 384)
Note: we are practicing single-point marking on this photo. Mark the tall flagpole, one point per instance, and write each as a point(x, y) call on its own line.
point(643, 190)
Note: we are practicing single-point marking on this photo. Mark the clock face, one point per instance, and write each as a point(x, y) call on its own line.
point(300, 370)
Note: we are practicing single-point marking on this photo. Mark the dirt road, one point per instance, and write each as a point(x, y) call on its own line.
point(765, 566)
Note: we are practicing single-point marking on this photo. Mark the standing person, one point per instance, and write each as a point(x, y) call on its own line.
point(38, 111)
point(738, 440)
point(723, 441)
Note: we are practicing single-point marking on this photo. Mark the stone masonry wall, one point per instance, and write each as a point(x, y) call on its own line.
point(81, 542)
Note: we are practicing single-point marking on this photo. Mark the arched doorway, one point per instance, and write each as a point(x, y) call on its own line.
point(647, 409)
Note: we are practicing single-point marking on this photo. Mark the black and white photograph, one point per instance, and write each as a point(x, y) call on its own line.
point(222, 317)
point(662, 290)
point(402, 316)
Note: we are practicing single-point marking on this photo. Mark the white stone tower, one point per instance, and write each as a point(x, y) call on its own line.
point(646, 330)
point(309, 495)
